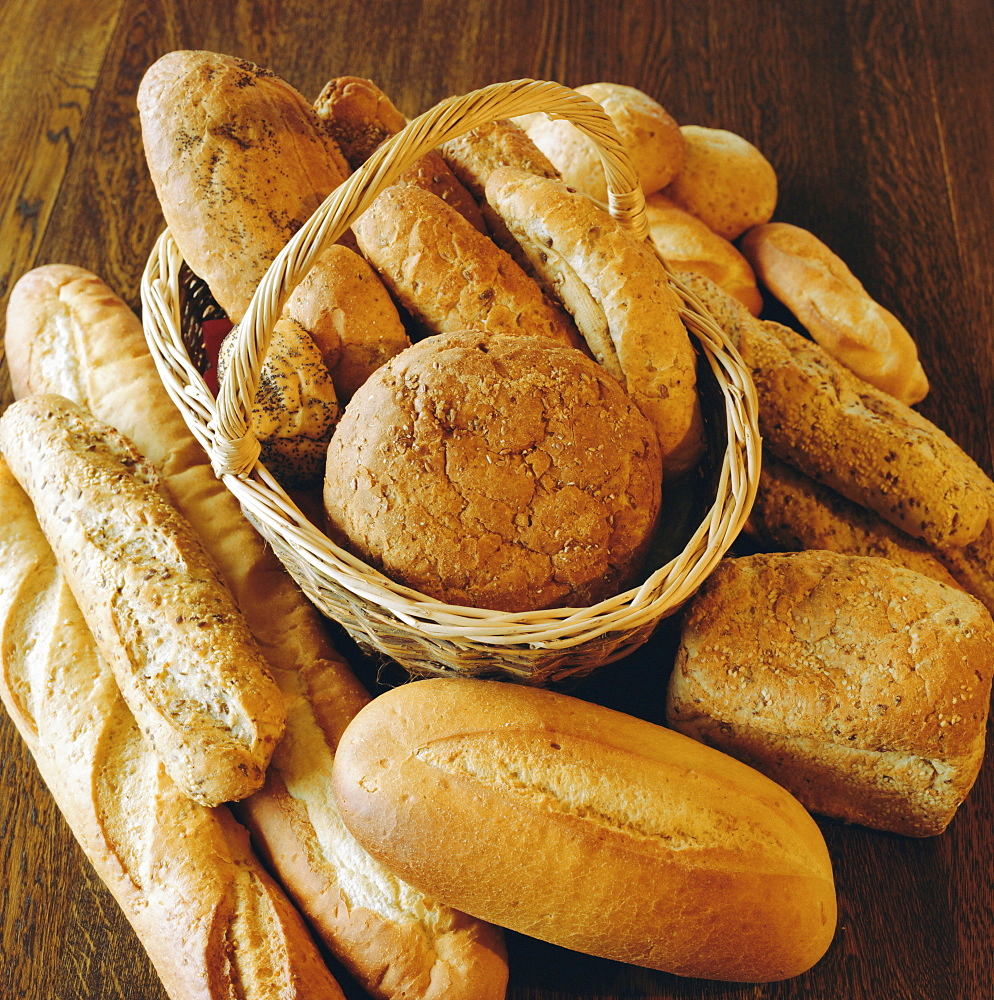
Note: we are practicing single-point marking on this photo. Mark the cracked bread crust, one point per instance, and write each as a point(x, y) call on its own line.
point(497, 472)
point(449, 276)
point(859, 685)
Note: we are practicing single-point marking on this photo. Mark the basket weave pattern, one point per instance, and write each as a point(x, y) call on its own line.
point(420, 633)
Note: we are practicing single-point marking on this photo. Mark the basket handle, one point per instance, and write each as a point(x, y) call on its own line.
point(235, 450)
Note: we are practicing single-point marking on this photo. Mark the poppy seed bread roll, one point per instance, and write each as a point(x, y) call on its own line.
point(587, 828)
point(497, 472)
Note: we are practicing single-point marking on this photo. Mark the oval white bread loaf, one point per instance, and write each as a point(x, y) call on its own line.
point(213, 922)
point(70, 332)
point(587, 828)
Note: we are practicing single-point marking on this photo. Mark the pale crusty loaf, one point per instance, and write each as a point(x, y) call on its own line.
point(793, 512)
point(834, 307)
point(619, 294)
point(859, 685)
point(361, 117)
point(213, 922)
point(497, 472)
point(588, 828)
point(448, 275)
point(182, 654)
point(690, 245)
point(75, 333)
point(239, 160)
point(860, 441)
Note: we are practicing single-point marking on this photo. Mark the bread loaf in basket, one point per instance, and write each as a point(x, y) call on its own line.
point(424, 635)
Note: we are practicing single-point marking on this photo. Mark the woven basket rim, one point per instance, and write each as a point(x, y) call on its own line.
point(269, 505)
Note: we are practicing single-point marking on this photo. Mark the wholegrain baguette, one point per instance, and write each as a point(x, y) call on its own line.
point(183, 656)
point(67, 329)
point(860, 441)
point(213, 922)
point(588, 828)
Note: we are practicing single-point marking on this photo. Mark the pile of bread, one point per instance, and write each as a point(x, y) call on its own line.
point(489, 382)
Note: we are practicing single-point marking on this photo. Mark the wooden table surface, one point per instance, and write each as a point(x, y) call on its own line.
point(879, 119)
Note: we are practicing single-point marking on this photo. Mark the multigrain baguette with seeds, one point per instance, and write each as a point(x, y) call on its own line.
point(212, 920)
point(70, 332)
point(186, 663)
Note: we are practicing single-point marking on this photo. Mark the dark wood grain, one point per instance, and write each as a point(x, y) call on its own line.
point(879, 119)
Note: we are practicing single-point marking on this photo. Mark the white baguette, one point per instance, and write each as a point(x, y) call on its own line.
point(183, 656)
point(67, 331)
point(587, 828)
point(213, 922)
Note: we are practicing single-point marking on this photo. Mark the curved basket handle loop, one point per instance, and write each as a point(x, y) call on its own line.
point(235, 449)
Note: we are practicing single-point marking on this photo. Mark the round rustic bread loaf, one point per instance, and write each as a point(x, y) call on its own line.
point(499, 472)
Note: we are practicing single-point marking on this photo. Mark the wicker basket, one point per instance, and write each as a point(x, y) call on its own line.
point(420, 633)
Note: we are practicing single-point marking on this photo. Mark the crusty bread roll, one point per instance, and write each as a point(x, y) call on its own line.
point(688, 244)
point(183, 656)
point(212, 920)
point(361, 117)
point(843, 432)
point(792, 512)
point(449, 276)
point(725, 181)
point(647, 130)
point(349, 315)
point(239, 160)
point(860, 686)
point(588, 828)
point(497, 472)
point(619, 294)
point(833, 306)
point(296, 405)
point(74, 333)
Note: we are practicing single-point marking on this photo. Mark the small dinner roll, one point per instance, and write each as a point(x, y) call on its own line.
point(497, 472)
point(646, 129)
point(688, 244)
point(725, 181)
point(834, 307)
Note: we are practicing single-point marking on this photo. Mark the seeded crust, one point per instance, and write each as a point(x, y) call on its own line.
point(793, 512)
point(239, 160)
point(361, 117)
point(689, 245)
point(831, 303)
point(845, 433)
point(619, 294)
point(496, 472)
point(296, 407)
point(860, 686)
point(183, 656)
point(449, 276)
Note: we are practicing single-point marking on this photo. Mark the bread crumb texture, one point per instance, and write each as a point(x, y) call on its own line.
point(498, 472)
point(860, 685)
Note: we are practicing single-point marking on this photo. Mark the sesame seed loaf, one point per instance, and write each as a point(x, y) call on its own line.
point(860, 686)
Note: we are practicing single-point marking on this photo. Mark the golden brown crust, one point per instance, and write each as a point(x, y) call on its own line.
point(828, 299)
point(448, 275)
point(496, 472)
point(843, 432)
point(88, 339)
point(182, 654)
point(579, 825)
point(793, 512)
point(620, 296)
point(689, 245)
point(239, 160)
point(203, 907)
point(859, 685)
point(349, 315)
point(725, 181)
